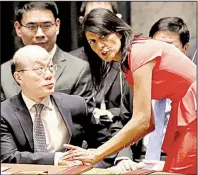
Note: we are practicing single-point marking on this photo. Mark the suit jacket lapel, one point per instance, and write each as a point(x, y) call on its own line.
point(23, 115)
point(24, 118)
point(65, 113)
point(59, 59)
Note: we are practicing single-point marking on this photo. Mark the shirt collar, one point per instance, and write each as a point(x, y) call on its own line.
point(52, 52)
point(30, 103)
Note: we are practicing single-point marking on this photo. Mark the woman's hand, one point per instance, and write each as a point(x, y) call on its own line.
point(88, 157)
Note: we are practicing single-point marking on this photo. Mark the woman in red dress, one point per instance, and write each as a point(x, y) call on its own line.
point(154, 70)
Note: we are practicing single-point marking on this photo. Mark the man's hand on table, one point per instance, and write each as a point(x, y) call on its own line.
point(125, 164)
point(153, 164)
point(129, 165)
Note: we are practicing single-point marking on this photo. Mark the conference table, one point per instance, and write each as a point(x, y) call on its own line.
point(42, 169)
point(51, 169)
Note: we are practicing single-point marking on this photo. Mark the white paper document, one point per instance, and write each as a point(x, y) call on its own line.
point(4, 168)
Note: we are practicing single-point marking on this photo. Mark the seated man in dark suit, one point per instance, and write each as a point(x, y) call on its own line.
point(37, 23)
point(113, 96)
point(37, 122)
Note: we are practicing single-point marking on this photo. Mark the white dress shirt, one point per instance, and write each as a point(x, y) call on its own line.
point(56, 131)
point(153, 141)
point(52, 52)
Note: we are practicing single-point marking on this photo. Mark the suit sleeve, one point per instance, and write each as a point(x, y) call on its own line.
point(84, 87)
point(80, 53)
point(11, 154)
point(124, 116)
point(125, 110)
point(95, 135)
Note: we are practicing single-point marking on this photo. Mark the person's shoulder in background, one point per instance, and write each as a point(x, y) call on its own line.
point(80, 53)
point(192, 51)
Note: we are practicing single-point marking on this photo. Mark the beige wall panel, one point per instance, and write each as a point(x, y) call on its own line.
point(145, 14)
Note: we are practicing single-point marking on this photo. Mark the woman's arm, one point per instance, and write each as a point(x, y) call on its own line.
point(142, 121)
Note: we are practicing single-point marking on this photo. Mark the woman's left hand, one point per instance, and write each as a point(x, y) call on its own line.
point(88, 157)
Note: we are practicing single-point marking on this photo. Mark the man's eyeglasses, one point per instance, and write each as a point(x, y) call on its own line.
point(34, 27)
point(41, 70)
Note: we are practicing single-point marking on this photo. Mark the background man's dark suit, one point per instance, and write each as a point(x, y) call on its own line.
point(17, 128)
point(111, 90)
point(72, 77)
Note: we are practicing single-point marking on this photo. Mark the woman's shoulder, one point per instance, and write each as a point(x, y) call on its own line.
point(146, 41)
point(144, 50)
point(143, 46)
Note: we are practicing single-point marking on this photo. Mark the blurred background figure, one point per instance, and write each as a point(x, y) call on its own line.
point(68, 38)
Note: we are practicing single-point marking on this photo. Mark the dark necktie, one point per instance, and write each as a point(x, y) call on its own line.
point(39, 131)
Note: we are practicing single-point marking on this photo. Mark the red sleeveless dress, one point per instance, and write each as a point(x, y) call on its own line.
point(174, 77)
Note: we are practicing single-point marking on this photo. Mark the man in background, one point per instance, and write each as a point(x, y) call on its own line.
point(37, 23)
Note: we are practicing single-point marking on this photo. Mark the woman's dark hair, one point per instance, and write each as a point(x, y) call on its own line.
point(103, 22)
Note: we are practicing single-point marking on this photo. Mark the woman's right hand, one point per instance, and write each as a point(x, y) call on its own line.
point(88, 157)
